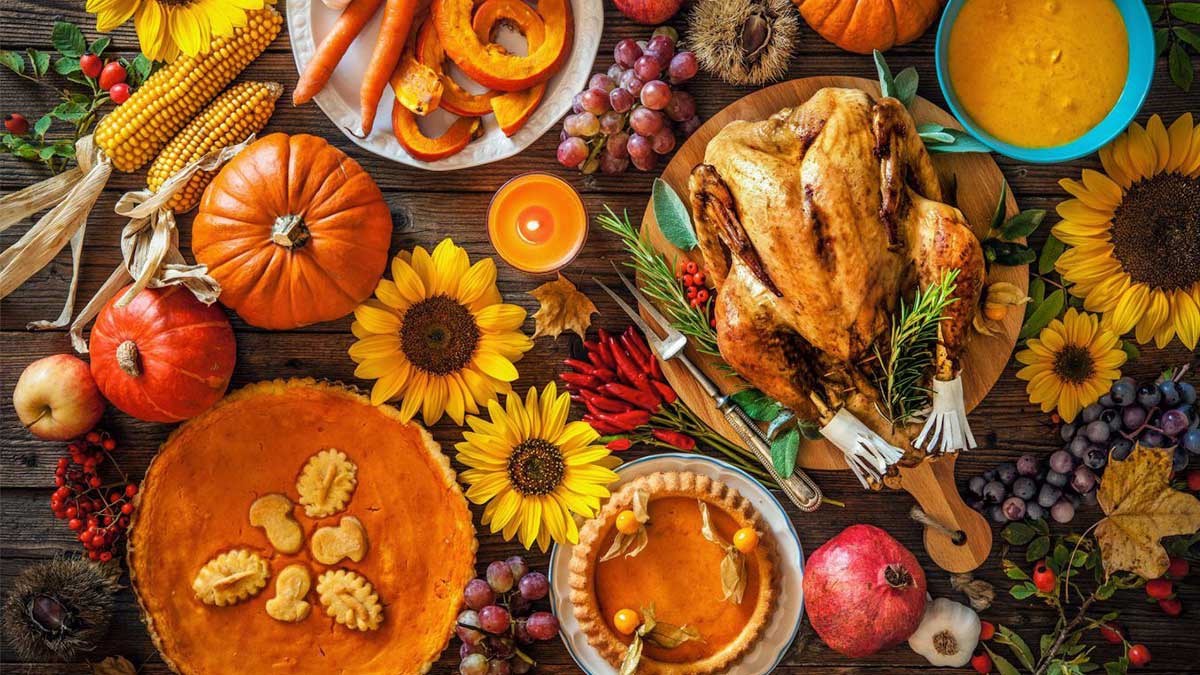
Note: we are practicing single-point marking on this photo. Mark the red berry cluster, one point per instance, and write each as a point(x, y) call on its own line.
point(110, 76)
point(692, 278)
point(98, 512)
point(1162, 590)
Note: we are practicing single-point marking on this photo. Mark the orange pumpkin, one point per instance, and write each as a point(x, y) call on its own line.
point(164, 357)
point(514, 108)
point(492, 66)
point(865, 25)
point(418, 87)
point(294, 231)
point(455, 99)
point(424, 148)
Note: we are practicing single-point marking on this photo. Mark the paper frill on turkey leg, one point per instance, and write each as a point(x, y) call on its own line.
point(867, 453)
point(946, 428)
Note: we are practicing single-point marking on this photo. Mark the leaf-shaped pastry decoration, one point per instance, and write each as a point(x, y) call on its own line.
point(630, 545)
point(230, 578)
point(562, 307)
point(658, 633)
point(326, 483)
point(1140, 508)
point(350, 599)
point(733, 565)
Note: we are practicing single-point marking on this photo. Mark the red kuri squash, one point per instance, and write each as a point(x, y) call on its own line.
point(294, 231)
point(164, 357)
point(863, 25)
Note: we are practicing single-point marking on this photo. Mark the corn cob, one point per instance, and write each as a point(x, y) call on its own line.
point(242, 110)
point(137, 129)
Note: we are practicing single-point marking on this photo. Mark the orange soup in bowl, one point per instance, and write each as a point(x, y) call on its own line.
point(1038, 73)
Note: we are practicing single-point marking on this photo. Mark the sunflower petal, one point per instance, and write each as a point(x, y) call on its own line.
point(1129, 309)
point(495, 365)
point(377, 318)
point(500, 318)
point(1187, 319)
point(1180, 138)
point(1157, 133)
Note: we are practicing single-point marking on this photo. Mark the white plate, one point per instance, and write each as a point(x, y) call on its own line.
point(310, 20)
point(780, 631)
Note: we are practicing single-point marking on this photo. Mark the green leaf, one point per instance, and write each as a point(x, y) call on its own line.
point(41, 126)
point(1044, 644)
point(1037, 291)
point(1008, 253)
point(1018, 534)
point(1189, 36)
point(1043, 315)
point(1052, 250)
point(69, 111)
point(66, 66)
point(672, 216)
point(1037, 548)
point(757, 405)
point(887, 85)
point(1156, 12)
point(1185, 11)
point(1003, 665)
point(65, 149)
point(100, 45)
point(1106, 590)
point(1118, 667)
point(46, 152)
point(1020, 648)
point(139, 69)
point(1160, 41)
point(963, 142)
point(1023, 224)
point(40, 61)
point(12, 60)
point(1131, 350)
point(783, 452)
point(1022, 591)
point(68, 39)
point(1014, 571)
point(906, 86)
point(1000, 210)
point(1180, 65)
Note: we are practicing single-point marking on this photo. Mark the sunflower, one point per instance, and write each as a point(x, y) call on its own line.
point(438, 336)
point(1134, 233)
point(533, 469)
point(167, 27)
point(1071, 363)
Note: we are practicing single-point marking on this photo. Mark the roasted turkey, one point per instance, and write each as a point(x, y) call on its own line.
point(813, 225)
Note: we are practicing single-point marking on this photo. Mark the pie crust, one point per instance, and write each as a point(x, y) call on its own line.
point(194, 506)
point(698, 577)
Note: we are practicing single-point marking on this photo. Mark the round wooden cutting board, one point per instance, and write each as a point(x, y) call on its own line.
point(979, 183)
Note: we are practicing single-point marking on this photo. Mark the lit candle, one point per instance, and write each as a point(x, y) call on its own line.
point(537, 223)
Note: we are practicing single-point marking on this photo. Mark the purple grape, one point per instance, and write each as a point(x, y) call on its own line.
point(1191, 441)
point(1121, 448)
point(521, 634)
point(683, 67)
point(1170, 393)
point(520, 666)
point(1173, 422)
point(494, 619)
point(474, 664)
point(975, 485)
point(1091, 413)
point(989, 475)
point(478, 594)
point(603, 82)
point(1048, 495)
point(1027, 465)
point(1133, 416)
point(1095, 458)
point(656, 94)
point(542, 626)
point(647, 68)
point(465, 650)
point(500, 576)
point(681, 106)
point(534, 586)
point(1063, 511)
point(1097, 431)
point(1149, 396)
point(645, 121)
point(1024, 488)
point(616, 145)
point(1062, 461)
point(1078, 445)
point(501, 647)
point(468, 627)
point(1179, 460)
point(1056, 478)
point(498, 667)
point(1035, 511)
point(1014, 508)
point(595, 101)
point(1123, 392)
point(997, 513)
point(621, 100)
point(518, 606)
point(639, 147)
point(1067, 432)
point(661, 48)
point(612, 166)
point(577, 103)
point(1106, 401)
point(631, 83)
point(627, 52)
point(611, 123)
point(572, 152)
point(664, 140)
point(1112, 418)
point(1152, 439)
point(1187, 392)
point(994, 492)
point(645, 163)
point(689, 126)
point(1083, 480)
point(614, 72)
point(1089, 497)
point(1006, 472)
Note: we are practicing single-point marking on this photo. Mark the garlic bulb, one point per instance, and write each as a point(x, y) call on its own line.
point(339, 5)
point(948, 634)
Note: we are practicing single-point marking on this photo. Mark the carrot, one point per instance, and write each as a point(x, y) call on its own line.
point(397, 20)
point(333, 48)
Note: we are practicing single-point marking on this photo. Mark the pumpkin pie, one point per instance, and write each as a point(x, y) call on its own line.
point(224, 591)
point(677, 573)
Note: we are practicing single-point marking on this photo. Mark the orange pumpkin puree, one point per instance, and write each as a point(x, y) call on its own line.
point(1038, 73)
point(679, 573)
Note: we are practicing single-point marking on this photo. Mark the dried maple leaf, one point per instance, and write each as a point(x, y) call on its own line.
point(562, 308)
point(114, 665)
point(1140, 508)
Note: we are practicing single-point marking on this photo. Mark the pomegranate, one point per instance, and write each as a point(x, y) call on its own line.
point(864, 591)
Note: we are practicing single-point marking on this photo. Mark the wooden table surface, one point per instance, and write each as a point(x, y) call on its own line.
point(428, 206)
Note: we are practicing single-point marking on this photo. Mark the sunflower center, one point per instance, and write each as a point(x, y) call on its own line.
point(439, 335)
point(536, 467)
point(1156, 231)
point(1074, 364)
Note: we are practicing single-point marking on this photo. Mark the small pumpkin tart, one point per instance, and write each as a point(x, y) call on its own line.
point(221, 594)
point(678, 574)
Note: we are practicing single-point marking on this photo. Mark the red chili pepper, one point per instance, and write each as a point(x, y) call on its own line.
point(656, 370)
point(637, 397)
point(580, 366)
point(642, 360)
point(580, 380)
point(604, 374)
point(606, 404)
point(627, 368)
point(606, 352)
point(646, 386)
point(639, 341)
point(675, 439)
point(665, 391)
point(628, 421)
point(602, 426)
point(619, 444)
point(597, 355)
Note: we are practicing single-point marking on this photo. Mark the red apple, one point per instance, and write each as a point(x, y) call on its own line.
point(649, 12)
point(57, 398)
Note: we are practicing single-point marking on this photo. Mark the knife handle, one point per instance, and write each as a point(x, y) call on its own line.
point(799, 488)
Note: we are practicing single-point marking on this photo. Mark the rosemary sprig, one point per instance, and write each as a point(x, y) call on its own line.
point(909, 356)
point(659, 282)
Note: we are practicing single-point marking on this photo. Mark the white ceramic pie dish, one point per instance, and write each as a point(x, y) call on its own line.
point(784, 624)
point(310, 20)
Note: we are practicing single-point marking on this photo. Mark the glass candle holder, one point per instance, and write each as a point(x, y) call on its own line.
point(537, 223)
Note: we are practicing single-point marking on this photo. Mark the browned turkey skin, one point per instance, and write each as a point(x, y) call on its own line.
point(813, 224)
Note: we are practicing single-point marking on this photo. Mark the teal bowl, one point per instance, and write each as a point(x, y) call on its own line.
point(1137, 86)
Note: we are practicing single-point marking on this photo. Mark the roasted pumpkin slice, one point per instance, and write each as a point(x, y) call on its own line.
point(514, 108)
point(455, 99)
point(492, 66)
point(427, 149)
point(418, 87)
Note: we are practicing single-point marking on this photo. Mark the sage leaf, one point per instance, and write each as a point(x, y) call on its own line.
point(1118, 667)
point(1185, 11)
point(906, 86)
point(757, 405)
point(1180, 65)
point(1003, 665)
point(68, 39)
point(963, 142)
point(887, 85)
point(1022, 225)
point(673, 218)
point(12, 60)
point(1052, 250)
point(999, 212)
point(784, 451)
point(1188, 36)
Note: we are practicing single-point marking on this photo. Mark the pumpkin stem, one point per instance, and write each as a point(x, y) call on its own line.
point(127, 358)
point(290, 231)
